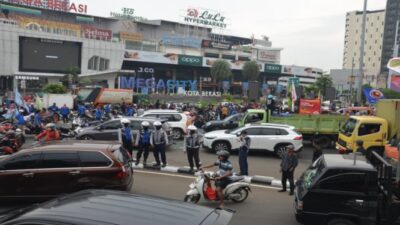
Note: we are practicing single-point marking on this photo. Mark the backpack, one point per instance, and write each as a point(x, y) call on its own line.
point(145, 137)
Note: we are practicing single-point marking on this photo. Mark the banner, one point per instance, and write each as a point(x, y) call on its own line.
point(273, 68)
point(96, 33)
point(216, 45)
point(130, 36)
point(310, 106)
point(181, 41)
point(395, 83)
point(49, 26)
point(152, 57)
point(302, 71)
point(188, 60)
point(235, 64)
point(373, 95)
point(269, 55)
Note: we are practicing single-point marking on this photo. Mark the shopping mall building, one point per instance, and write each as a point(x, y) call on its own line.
point(41, 40)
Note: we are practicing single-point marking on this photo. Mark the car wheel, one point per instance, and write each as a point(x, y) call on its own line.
point(177, 133)
point(192, 198)
point(221, 145)
point(340, 222)
point(86, 137)
point(280, 150)
point(242, 194)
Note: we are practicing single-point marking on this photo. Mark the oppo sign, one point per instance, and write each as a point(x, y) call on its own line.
point(190, 60)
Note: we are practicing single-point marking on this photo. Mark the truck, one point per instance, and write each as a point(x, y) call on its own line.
point(322, 128)
point(340, 189)
point(374, 131)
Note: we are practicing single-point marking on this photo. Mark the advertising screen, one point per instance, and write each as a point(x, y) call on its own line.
point(47, 55)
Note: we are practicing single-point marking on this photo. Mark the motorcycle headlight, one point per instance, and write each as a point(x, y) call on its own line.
point(192, 186)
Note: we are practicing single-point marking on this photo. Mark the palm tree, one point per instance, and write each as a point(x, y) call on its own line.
point(71, 76)
point(220, 70)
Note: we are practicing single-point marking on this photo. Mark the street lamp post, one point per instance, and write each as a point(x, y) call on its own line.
point(361, 75)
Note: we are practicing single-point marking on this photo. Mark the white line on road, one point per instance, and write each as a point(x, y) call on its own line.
point(189, 177)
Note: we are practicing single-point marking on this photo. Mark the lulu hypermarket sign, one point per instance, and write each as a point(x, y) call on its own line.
point(205, 17)
point(57, 5)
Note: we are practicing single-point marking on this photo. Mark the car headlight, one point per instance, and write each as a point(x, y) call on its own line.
point(210, 137)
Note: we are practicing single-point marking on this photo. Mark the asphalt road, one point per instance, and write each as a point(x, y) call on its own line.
point(264, 205)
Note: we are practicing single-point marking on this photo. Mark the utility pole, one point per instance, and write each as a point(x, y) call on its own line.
point(361, 73)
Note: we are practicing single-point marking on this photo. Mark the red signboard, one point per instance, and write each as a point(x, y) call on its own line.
point(58, 5)
point(96, 33)
point(310, 106)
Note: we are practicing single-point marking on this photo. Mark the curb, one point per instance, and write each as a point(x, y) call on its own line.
point(256, 179)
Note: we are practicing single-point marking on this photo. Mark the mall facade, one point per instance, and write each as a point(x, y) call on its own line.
point(40, 43)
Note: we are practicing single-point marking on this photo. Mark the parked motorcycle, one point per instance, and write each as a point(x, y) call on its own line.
point(237, 191)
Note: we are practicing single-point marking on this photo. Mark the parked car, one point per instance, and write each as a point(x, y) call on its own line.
point(266, 137)
point(64, 167)
point(115, 207)
point(176, 119)
point(110, 130)
point(228, 123)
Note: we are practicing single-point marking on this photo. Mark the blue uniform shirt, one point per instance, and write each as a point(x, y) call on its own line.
point(64, 111)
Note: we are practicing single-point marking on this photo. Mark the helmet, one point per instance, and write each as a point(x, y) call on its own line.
point(50, 125)
point(192, 128)
point(270, 96)
point(157, 124)
point(125, 121)
point(223, 153)
point(145, 124)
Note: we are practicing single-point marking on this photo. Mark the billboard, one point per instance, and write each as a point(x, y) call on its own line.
point(48, 55)
point(395, 83)
point(188, 60)
point(301, 71)
point(57, 5)
point(130, 36)
point(216, 45)
point(190, 42)
point(205, 17)
point(152, 57)
point(269, 55)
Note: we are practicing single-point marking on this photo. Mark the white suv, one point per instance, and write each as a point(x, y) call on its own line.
point(267, 136)
point(176, 120)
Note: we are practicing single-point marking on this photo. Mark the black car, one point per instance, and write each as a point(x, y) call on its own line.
point(115, 207)
point(109, 131)
point(228, 123)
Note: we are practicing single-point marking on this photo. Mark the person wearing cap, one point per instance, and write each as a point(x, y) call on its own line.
point(191, 146)
point(158, 141)
point(288, 165)
point(126, 135)
point(142, 142)
point(243, 151)
point(50, 134)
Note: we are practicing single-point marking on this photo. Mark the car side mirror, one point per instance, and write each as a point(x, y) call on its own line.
point(238, 134)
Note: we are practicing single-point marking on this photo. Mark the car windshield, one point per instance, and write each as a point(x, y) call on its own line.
point(348, 128)
point(313, 172)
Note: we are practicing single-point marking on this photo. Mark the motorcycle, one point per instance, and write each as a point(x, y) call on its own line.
point(9, 143)
point(237, 191)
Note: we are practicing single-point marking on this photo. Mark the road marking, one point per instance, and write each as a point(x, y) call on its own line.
point(189, 177)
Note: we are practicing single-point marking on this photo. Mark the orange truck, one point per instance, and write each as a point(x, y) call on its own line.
point(114, 96)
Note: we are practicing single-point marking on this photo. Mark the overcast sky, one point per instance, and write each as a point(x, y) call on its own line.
point(310, 31)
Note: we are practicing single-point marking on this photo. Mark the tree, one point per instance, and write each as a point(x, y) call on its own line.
point(71, 76)
point(251, 71)
point(55, 89)
point(220, 70)
point(390, 94)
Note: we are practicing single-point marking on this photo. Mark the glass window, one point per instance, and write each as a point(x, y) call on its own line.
point(113, 125)
point(211, 55)
point(351, 182)
point(177, 117)
point(94, 159)
point(23, 161)
point(136, 125)
point(253, 131)
point(366, 129)
point(273, 131)
point(255, 117)
point(60, 160)
point(230, 57)
point(348, 128)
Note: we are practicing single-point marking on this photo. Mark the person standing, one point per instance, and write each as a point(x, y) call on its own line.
point(191, 146)
point(37, 122)
point(65, 111)
point(243, 152)
point(142, 141)
point(98, 113)
point(158, 141)
point(317, 150)
point(288, 165)
point(54, 108)
point(126, 134)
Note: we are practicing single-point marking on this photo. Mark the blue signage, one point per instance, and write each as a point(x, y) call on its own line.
point(181, 41)
point(151, 83)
